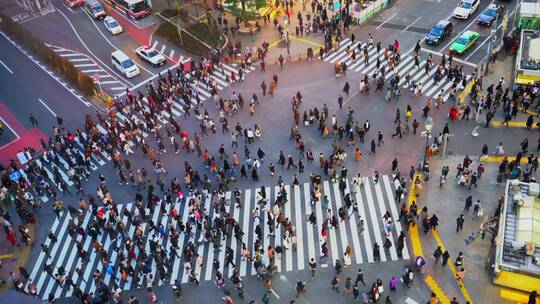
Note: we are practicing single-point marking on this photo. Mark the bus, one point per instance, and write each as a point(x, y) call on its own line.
point(135, 9)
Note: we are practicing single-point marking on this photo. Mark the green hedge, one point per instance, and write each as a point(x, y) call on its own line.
point(63, 66)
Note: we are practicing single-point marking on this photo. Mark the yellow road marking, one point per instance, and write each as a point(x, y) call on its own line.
point(273, 44)
point(498, 159)
point(7, 256)
point(417, 246)
point(511, 124)
point(452, 268)
point(306, 41)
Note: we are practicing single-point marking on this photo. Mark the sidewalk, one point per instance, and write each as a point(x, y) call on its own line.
point(448, 204)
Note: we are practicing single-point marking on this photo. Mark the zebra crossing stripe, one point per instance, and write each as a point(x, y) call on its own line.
point(341, 227)
point(365, 233)
point(344, 43)
point(42, 254)
point(277, 231)
point(395, 214)
point(265, 228)
point(382, 208)
point(373, 217)
point(357, 249)
point(331, 231)
point(288, 246)
point(320, 221)
point(245, 228)
point(299, 227)
point(56, 245)
point(309, 227)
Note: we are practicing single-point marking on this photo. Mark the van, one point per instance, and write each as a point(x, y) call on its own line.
point(95, 9)
point(124, 64)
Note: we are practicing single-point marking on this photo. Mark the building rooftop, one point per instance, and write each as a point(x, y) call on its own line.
point(518, 241)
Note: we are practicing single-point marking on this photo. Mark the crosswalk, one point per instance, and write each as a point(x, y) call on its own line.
point(87, 65)
point(406, 66)
point(373, 200)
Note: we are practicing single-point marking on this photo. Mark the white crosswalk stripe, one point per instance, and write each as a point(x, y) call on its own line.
point(373, 200)
point(404, 67)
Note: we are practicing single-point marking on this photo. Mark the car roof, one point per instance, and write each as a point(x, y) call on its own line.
point(442, 23)
point(493, 6)
point(469, 34)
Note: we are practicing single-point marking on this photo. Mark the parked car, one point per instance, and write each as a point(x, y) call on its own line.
point(464, 42)
point(150, 55)
point(465, 9)
point(490, 14)
point(112, 25)
point(439, 32)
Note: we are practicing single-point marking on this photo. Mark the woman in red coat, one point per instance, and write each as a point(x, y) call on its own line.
point(11, 238)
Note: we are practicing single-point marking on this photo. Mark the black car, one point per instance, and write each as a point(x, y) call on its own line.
point(439, 32)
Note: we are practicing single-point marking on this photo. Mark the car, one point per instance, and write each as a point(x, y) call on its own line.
point(112, 25)
point(439, 32)
point(490, 14)
point(150, 55)
point(464, 42)
point(465, 9)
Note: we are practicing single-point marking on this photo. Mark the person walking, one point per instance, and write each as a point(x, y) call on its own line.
point(445, 257)
point(335, 283)
point(360, 277)
point(33, 120)
point(459, 223)
point(312, 267)
point(437, 255)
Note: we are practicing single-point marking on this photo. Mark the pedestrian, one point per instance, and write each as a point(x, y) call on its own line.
point(312, 267)
point(335, 283)
point(33, 120)
point(459, 223)
point(445, 257)
point(360, 277)
point(281, 59)
point(337, 266)
point(346, 88)
point(437, 255)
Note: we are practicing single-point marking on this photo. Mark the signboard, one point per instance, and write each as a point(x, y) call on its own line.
point(22, 158)
point(15, 176)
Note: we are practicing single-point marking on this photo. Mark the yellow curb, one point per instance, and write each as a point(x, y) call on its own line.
point(273, 44)
point(498, 159)
point(516, 296)
point(415, 240)
point(511, 124)
point(306, 41)
point(453, 269)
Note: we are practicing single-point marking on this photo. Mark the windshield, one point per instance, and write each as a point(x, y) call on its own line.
point(97, 9)
point(152, 54)
point(127, 64)
point(436, 32)
point(139, 7)
point(466, 5)
point(113, 23)
point(462, 40)
point(490, 12)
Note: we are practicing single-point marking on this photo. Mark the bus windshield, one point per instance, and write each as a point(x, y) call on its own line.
point(139, 7)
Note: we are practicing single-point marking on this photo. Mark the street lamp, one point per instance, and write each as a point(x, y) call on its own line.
point(428, 125)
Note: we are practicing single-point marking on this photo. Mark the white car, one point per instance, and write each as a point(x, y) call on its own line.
point(149, 54)
point(465, 9)
point(112, 25)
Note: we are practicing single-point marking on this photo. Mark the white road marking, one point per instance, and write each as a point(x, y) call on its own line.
point(380, 25)
point(5, 66)
point(47, 107)
point(10, 128)
point(408, 26)
point(79, 97)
